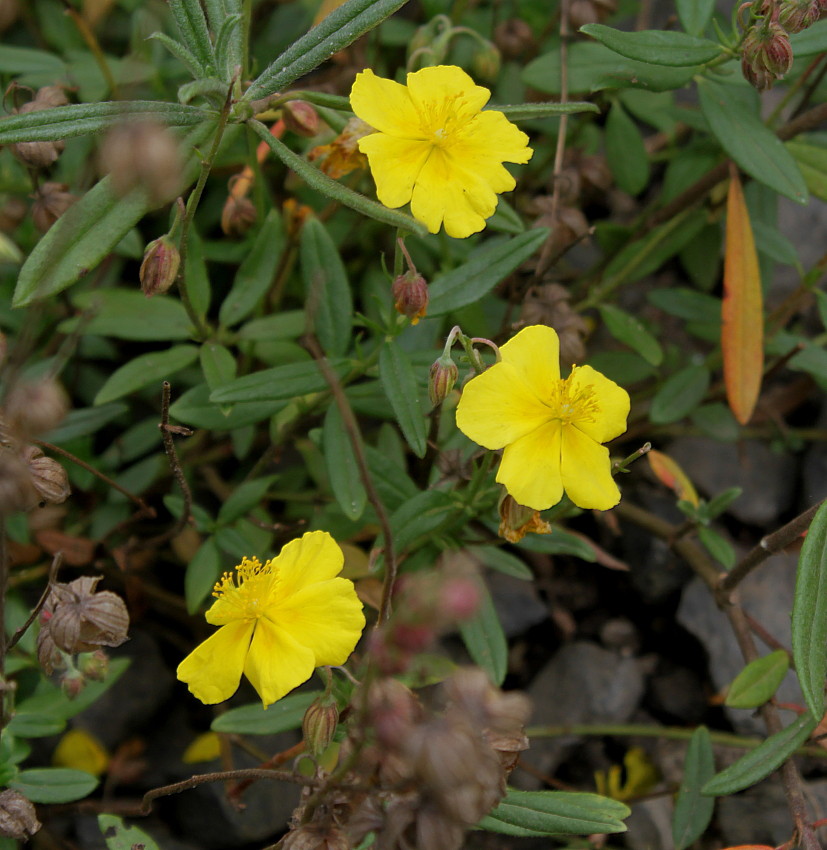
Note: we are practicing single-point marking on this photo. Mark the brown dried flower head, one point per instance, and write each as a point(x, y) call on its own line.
point(40, 154)
point(9, 10)
point(238, 216)
point(49, 478)
point(49, 656)
point(313, 836)
point(82, 620)
point(18, 819)
point(51, 200)
point(33, 408)
point(515, 38)
point(17, 492)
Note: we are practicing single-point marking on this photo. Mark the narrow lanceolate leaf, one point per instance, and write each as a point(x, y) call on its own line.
point(326, 288)
point(670, 473)
point(763, 760)
point(399, 383)
point(145, 369)
point(758, 681)
point(809, 618)
point(742, 311)
point(54, 784)
point(733, 117)
point(485, 640)
point(528, 111)
point(83, 119)
point(342, 469)
point(695, 14)
point(192, 27)
point(533, 813)
point(630, 331)
point(335, 32)
point(693, 811)
point(279, 383)
point(332, 189)
point(252, 719)
point(658, 47)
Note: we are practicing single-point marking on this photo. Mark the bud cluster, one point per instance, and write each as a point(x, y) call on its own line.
point(433, 771)
point(41, 154)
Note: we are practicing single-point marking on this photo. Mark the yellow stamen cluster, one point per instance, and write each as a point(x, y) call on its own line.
point(248, 569)
point(575, 405)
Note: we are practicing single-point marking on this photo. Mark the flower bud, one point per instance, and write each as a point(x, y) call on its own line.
point(393, 710)
point(49, 478)
point(159, 267)
point(51, 200)
point(514, 38)
point(94, 665)
point(72, 684)
point(486, 63)
point(767, 54)
point(319, 724)
point(9, 10)
point(797, 15)
point(410, 296)
point(18, 819)
point(36, 407)
point(145, 154)
point(443, 376)
point(238, 216)
point(300, 118)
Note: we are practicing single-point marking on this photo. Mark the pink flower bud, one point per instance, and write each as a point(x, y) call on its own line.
point(159, 267)
point(300, 118)
point(443, 376)
point(410, 296)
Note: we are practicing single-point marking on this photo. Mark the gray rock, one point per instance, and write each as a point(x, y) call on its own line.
point(583, 683)
point(757, 816)
point(650, 825)
point(766, 478)
point(767, 595)
point(517, 603)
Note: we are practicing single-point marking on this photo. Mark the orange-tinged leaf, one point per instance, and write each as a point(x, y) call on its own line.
point(668, 472)
point(742, 313)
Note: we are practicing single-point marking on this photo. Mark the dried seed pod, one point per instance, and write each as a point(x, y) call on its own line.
point(83, 620)
point(49, 97)
point(18, 819)
point(313, 836)
point(238, 216)
point(34, 408)
point(515, 38)
point(51, 200)
point(17, 492)
point(49, 478)
point(49, 656)
point(45, 153)
point(9, 10)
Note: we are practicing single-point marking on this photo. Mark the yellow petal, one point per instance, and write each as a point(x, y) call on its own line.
point(213, 669)
point(535, 353)
point(499, 407)
point(494, 139)
point(206, 747)
point(395, 164)
point(385, 105)
point(530, 468)
point(276, 662)
point(326, 618)
point(587, 471)
point(435, 88)
point(314, 557)
point(612, 402)
point(80, 750)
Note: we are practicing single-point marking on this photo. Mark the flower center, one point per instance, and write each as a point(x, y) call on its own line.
point(442, 120)
point(248, 589)
point(574, 402)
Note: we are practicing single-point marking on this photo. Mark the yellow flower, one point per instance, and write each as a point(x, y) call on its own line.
point(278, 623)
point(436, 148)
point(551, 428)
point(80, 750)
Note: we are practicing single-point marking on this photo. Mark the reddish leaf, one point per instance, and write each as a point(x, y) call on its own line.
point(76, 551)
point(668, 472)
point(742, 334)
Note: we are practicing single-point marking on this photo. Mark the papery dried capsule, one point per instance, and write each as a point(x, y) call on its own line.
point(300, 118)
point(311, 836)
point(17, 492)
point(159, 268)
point(238, 215)
point(40, 154)
point(84, 620)
point(49, 478)
point(34, 407)
point(410, 296)
point(49, 655)
point(49, 97)
point(393, 710)
point(51, 200)
point(514, 38)
point(18, 819)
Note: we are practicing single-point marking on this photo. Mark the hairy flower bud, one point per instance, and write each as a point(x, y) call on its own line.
point(767, 54)
point(51, 200)
point(49, 478)
point(797, 15)
point(18, 819)
point(443, 376)
point(83, 620)
point(319, 724)
point(72, 684)
point(94, 665)
point(486, 63)
point(238, 216)
point(159, 267)
point(410, 296)
point(145, 154)
point(35, 407)
point(300, 118)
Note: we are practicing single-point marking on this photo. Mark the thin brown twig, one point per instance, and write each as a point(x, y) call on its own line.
point(354, 436)
point(57, 562)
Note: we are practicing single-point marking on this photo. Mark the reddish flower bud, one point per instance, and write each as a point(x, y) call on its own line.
point(238, 216)
point(159, 267)
point(767, 54)
point(443, 376)
point(410, 296)
point(319, 724)
point(300, 118)
point(797, 15)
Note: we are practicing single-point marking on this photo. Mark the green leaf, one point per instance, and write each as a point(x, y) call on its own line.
point(812, 161)
point(146, 369)
point(811, 40)
point(119, 836)
point(695, 14)
point(184, 56)
point(533, 813)
point(759, 763)
point(722, 501)
point(280, 383)
point(561, 542)
point(502, 561)
point(420, 518)
point(625, 151)
point(287, 325)
point(256, 274)
point(487, 267)
point(192, 27)
point(252, 719)
point(399, 382)
point(809, 617)
point(203, 571)
point(331, 188)
point(679, 394)
point(594, 67)
point(66, 122)
point(195, 408)
point(196, 276)
point(687, 304)
point(86, 420)
point(342, 469)
point(718, 547)
point(657, 47)
point(736, 124)
point(391, 481)
point(26, 724)
point(758, 681)
point(335, 32)
point(128, 314)
point(484, 638)
point(628, 330)
point(530, 111)
point(244, 499)
point(54, 784)
point(217, 364)
point(693, 811)
point(326, 289)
